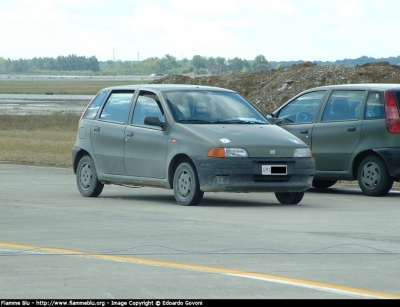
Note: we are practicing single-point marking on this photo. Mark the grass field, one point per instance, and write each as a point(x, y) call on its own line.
point(43, 140)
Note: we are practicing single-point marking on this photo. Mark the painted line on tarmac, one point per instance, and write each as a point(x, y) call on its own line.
point(237, 273)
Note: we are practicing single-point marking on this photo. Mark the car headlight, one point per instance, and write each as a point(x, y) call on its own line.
point(302, 153)
point(221, 152)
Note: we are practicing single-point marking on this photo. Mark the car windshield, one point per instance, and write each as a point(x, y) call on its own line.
point(212, 107)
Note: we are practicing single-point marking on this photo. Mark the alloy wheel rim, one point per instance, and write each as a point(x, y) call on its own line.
point(86, 176)
point(371, 176)
point(184, 183)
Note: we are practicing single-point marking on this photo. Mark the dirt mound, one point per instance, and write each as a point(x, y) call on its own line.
point(270, 89)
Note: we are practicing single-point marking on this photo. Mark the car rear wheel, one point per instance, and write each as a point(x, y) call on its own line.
point(289, 198)
point(373, 177)
point(323, 184)
point(186, 185)
point(86, 178)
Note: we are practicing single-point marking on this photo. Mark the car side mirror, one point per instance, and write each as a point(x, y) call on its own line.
point(154, 121)
point(272, 118)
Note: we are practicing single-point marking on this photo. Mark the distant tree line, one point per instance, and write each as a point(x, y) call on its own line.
point(362, 60)
point(198, 65)
point(43, 65)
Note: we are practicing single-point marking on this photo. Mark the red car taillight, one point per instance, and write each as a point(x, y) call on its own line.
point(392, 113)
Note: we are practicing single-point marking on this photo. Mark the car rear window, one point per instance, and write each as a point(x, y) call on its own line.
point(397, 93)
point(94, 106)
point(374, 107)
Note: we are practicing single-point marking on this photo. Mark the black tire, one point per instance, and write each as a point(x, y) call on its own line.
point(373, 177)
point(86, 178)
point(323, 184)
point(186, 185)
point(289, 198)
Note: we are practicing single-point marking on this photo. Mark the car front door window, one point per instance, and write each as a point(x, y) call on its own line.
point(147, 106)
point(303, 109)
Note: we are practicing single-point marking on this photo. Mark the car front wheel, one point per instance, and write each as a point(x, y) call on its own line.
point(86, 178)
point(289, 198)
point(186, 185)
point(373, 177)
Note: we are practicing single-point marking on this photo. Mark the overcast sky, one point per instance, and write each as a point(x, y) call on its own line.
point(128, 30)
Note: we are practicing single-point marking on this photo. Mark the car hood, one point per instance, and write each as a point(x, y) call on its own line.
point(258, 140)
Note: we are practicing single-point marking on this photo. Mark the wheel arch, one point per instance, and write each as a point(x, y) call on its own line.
point(178, 159)
point(361, 156)
point(78, 155)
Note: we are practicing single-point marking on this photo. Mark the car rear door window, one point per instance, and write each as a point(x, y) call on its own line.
point(117, 107)
point(343, 105)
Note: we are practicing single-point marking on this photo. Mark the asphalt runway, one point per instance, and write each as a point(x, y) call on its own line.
point(140, 244)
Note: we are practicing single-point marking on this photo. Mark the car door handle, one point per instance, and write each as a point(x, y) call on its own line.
point(304, 131)
point(96, 129)
point(129, 134)
point(351, 129)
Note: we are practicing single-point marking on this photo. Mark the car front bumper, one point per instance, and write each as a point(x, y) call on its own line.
point(245, 174)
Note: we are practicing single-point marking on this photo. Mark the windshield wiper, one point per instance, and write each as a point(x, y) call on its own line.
point(194, 121)
point(238, 121)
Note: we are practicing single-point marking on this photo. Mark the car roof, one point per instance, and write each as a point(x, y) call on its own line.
point(371, 86)
point(168, 87)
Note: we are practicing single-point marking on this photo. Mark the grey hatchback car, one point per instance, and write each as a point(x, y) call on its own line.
point(192, 139)
point(353, 131)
